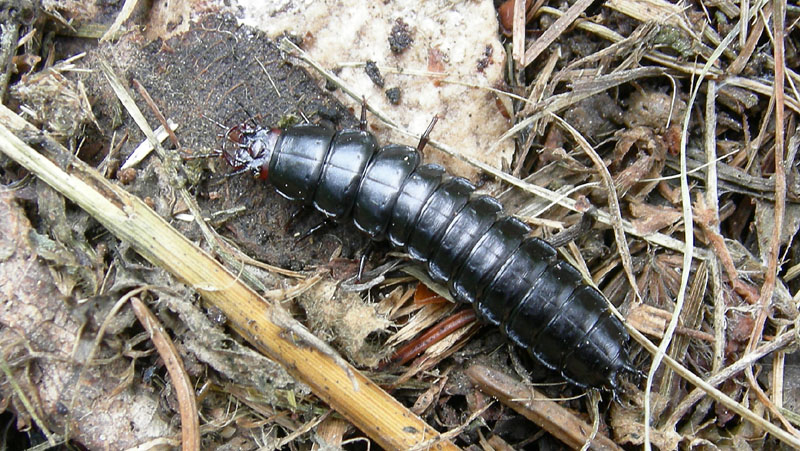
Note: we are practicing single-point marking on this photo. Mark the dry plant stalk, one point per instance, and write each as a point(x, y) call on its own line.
point(266, 326)
point(584, 90)
point(190, 430)
point(536, 407)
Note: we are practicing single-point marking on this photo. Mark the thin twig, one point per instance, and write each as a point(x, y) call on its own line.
point(157, 112)
point(781, 341)
point(712, 200)
point(552, 105)
point(52, 439)
point(768, 287)
point(613, 205)
point(190, 427)
point(555, 30)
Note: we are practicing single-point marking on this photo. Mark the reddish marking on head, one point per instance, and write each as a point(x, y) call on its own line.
point(250, 148)
point(263, 173)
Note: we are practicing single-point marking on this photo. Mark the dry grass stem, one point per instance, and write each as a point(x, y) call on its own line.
point(190, 427)
point(265, 325)
point(538, 408)
point(554, 31)
point(645, 140)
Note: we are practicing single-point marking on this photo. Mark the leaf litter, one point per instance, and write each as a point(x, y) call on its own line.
point(743, 229)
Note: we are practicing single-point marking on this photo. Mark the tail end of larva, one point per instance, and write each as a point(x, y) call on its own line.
point(625, 369)
point(638, 374)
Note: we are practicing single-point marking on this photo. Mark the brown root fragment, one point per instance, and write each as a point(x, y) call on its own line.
point(536, 407)
point(190, 430)
point(333, 379)
point(432, 336)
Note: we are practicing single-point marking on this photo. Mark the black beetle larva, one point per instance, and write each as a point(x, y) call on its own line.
point(464, 240)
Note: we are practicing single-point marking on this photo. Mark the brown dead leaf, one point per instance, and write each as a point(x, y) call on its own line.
point(765, 222)
point(429, 396)
point(642, 318)
point(652, 218)
point(38, 317)
point(646, 163)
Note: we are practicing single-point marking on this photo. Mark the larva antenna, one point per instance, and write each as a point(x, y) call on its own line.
point(215, 122)
point(250, 117)
point(213, 154)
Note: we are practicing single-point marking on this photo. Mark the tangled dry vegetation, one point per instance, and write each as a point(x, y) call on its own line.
point(657, 142)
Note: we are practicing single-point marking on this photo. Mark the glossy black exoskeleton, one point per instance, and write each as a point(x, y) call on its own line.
point(464, 240)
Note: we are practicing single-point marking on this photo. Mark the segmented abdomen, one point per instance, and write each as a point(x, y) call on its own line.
point(465, 241)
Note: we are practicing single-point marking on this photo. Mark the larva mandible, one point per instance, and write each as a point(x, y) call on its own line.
point(464, 240)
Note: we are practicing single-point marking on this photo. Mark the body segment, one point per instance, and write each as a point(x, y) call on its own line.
point(464, 240)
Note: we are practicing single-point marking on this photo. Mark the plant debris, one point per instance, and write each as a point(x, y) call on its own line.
point(657, 121)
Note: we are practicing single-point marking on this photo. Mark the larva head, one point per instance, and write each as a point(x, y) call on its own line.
point(251, 148)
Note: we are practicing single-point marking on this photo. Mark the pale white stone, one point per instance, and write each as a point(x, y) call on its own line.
point(339, 32)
